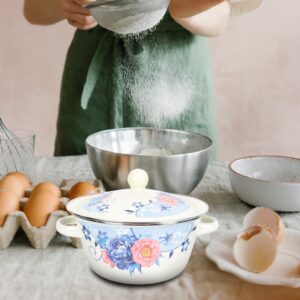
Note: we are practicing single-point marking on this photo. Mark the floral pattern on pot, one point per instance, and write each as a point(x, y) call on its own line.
point(159, 205)
point(162, 205)
point(145, 252)
point(99, 203)
point(135, 248)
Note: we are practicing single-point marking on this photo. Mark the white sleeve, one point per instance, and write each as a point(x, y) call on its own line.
point(239, 7)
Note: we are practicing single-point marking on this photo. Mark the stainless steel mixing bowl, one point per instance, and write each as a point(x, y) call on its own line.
point(114, 153)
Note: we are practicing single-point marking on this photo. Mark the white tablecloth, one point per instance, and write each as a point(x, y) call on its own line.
point(61, 271)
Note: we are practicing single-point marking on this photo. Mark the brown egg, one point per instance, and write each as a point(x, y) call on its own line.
point(12, 184)
point(81, 189)
point(21, 177)
point(46, 186)
point(39, 206)
point(9, 202)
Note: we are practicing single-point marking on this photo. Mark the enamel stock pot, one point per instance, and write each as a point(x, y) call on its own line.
point(137, 235)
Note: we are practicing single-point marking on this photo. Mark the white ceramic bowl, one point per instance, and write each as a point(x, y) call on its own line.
point(268, 181)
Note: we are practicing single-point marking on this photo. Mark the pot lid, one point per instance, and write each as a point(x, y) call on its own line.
point(137, 205)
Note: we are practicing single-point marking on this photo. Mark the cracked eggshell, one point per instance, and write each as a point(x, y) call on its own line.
point(255, 249)
point(265, 217)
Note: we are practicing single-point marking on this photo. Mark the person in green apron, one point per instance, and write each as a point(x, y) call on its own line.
point(161, 79)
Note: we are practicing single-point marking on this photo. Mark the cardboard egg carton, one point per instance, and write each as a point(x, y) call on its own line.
point(40, 237)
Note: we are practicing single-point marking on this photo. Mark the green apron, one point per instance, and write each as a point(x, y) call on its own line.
point(99, 66)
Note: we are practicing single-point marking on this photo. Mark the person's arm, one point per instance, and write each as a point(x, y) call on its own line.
point(47, 12)
point(201, 17)
point(43, 12)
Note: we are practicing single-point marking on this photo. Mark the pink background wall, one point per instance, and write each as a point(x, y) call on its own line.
point(256, 65)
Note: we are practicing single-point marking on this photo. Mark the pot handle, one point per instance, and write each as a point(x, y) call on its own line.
point(69, 226)
point(207, 224)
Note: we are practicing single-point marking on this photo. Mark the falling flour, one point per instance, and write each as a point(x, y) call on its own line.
point(161, 99)
point(159, 90)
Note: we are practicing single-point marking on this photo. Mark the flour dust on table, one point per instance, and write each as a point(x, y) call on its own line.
point(158, 92)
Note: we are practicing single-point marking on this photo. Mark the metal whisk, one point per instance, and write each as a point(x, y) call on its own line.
point(16, 152)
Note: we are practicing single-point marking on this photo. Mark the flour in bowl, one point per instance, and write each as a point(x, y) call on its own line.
point(155, 152)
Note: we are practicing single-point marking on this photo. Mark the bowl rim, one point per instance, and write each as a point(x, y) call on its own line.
point(230, 167)
point(155, 129)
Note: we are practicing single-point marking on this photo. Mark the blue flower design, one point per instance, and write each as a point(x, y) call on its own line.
point(102, 207)
point(97, 203)
point(164, 207)
point(102, 238)
point(166, 239)
point(119, 251)
point(185, 245)
point(86, 233)
point(137, 204)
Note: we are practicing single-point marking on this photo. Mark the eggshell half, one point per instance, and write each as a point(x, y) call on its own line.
point(12, 184)
point(46, 185)
point(9, 202)
point(39, 206)
point(81, 189)
point(255, 249)
point(265, 217)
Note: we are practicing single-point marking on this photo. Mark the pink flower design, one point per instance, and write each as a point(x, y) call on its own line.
point(108, 197)
point(106, 259)
point(167, 200)
point(145, 252)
